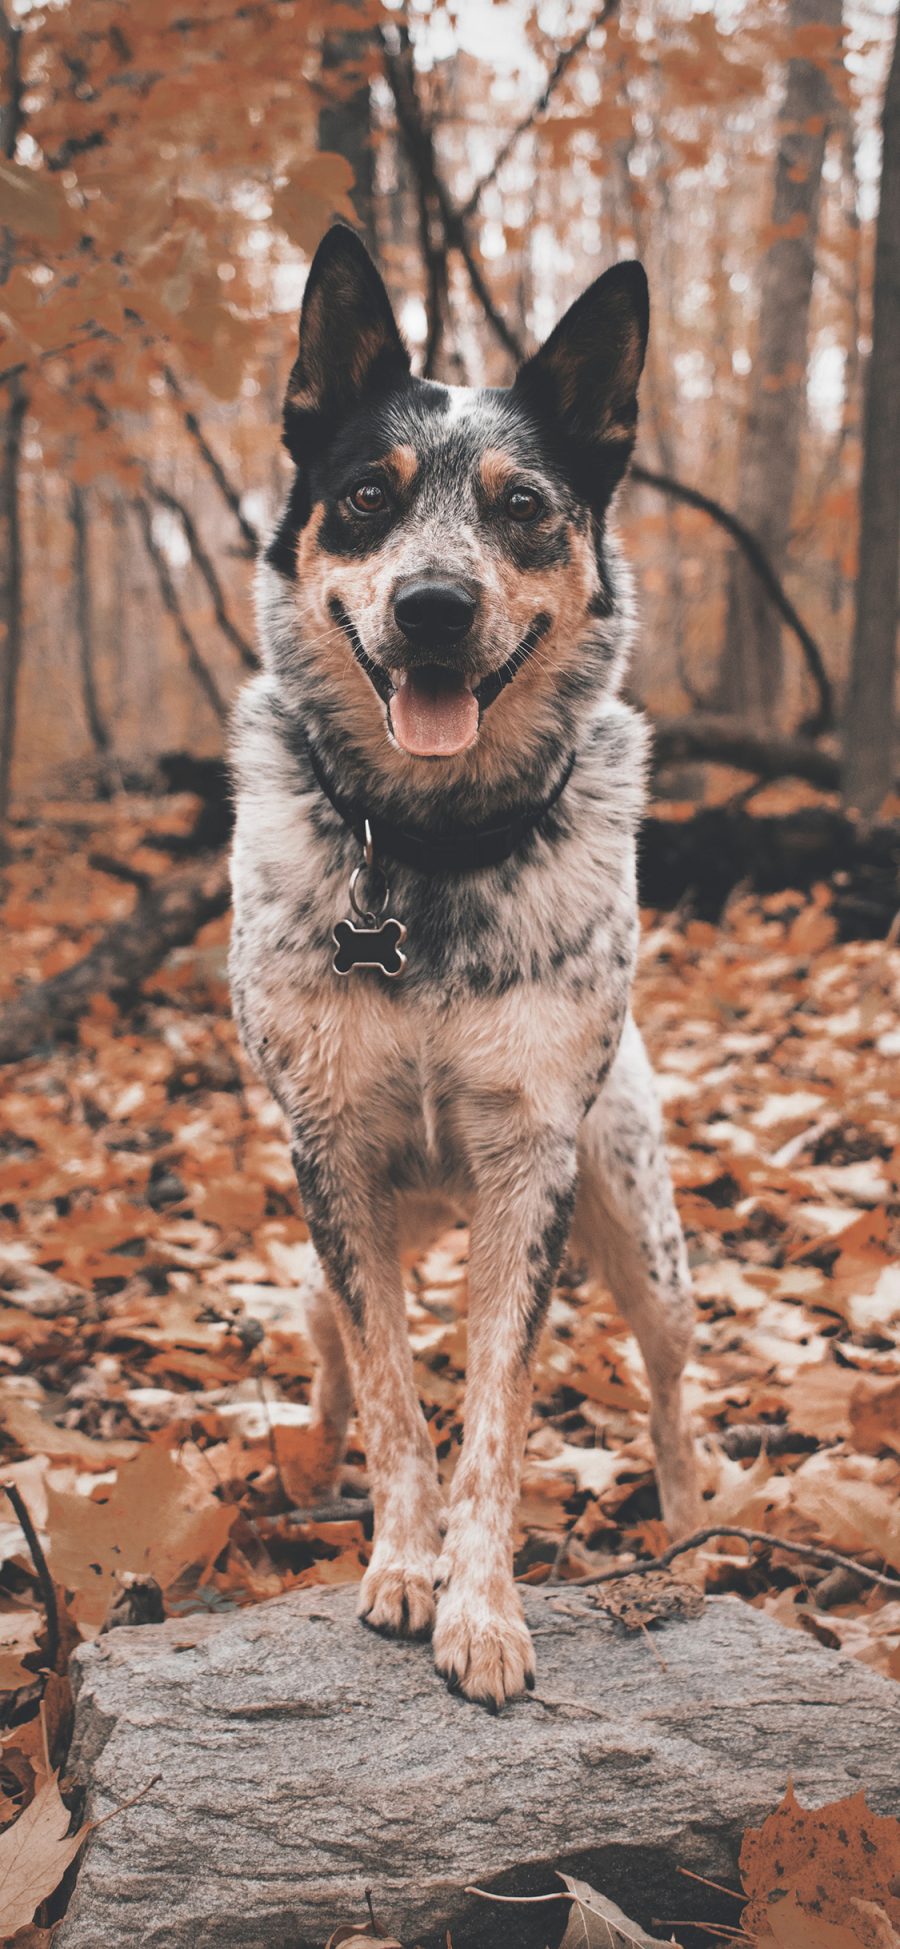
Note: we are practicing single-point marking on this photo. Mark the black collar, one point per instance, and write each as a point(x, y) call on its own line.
point(456, 849)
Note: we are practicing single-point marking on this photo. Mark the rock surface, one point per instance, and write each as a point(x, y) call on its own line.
point(302, 1759)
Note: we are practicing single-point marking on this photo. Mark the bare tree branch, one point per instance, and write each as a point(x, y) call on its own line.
point(166, 499)
point(755, 554)
point(214, 466)
point(758, 560)
point(169, 594)
point(539, 106)
point(418, 140)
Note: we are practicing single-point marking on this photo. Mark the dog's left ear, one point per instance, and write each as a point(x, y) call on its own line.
point(350, 346)
point(583, 382)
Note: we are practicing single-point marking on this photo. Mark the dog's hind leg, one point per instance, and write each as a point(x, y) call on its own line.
point(627, 1230)
point(332, 1394)
point(352, 1217)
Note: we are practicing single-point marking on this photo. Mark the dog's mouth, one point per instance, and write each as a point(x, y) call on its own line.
point(433, 710)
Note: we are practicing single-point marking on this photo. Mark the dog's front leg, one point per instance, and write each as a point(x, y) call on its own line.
point(352, 1219)
point(481, 1643)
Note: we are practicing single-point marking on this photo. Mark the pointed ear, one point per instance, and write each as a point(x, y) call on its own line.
point(349, 342)
point(583, 382)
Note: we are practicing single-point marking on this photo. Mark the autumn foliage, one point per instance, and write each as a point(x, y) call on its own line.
point(157, 1370)
point(166, 171)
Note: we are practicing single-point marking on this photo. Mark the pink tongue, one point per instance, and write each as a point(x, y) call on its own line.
point(433, 714)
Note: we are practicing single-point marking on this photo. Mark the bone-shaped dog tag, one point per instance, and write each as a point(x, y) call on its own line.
point(369, 947)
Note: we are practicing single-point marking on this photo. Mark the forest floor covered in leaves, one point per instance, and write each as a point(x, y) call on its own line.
point(155, 1370)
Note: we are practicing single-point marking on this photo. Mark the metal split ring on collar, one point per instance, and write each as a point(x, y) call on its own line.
point(372, 910)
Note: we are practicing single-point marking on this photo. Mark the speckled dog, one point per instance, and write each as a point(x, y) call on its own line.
point(444, 618)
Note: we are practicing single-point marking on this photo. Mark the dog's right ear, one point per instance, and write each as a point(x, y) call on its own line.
point(350, 346)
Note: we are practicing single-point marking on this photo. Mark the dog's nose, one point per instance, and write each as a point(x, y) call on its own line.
point(427, 610)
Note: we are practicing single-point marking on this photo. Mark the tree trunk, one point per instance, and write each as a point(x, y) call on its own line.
point(345, 118)
point(752, 676)
point(84, 627)
point(10, 590)
point(868, 760)
point(13, 406)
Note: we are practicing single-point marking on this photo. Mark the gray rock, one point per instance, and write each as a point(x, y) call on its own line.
point(302, 1759)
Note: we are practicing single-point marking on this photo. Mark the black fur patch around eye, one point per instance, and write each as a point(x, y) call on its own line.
point(354, 536)
point(281, 553)
point(446, 476)
point(535, 545)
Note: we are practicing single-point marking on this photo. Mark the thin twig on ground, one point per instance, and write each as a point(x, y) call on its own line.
point(814, 1551)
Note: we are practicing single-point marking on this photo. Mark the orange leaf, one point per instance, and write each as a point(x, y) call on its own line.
point(809, 1869)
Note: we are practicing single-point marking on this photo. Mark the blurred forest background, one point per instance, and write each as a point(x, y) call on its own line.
point(169, 167)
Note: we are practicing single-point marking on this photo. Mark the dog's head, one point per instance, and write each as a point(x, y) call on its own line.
point(445, 546)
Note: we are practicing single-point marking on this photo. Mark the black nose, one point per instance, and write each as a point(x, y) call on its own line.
point(429, 610)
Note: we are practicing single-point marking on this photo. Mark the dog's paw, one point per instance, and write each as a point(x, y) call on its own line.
point(482, 1646)
point(397, 1596)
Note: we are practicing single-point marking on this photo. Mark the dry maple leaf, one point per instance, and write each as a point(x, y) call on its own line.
point(34, 1855)
point(156, 1520)
point(822, 1877)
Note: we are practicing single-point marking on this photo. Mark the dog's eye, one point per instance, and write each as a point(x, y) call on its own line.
point(522, 504)
point(368, 497)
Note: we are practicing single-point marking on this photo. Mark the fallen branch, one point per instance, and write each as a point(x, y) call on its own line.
point(747, 1439)
point(724, 740)
point(47, 1587)
point(169, 913)
point(339, 1510)
point(814, 1551)
point(702, 859)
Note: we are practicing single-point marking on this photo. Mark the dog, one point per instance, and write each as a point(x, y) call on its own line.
point(435, 915)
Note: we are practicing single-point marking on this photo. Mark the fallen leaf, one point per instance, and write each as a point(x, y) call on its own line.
point(596, 1923)
point(17, 1640)
point(805, 1868)
point(655, 1598)
point(34, 1855)
point(155, 1520)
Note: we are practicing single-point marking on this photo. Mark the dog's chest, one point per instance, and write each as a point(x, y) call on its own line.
point(499, 1007)
point(516, 978)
